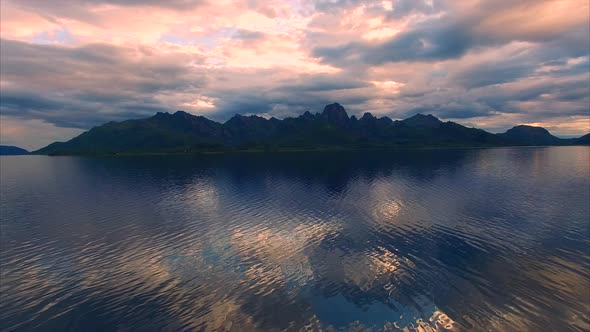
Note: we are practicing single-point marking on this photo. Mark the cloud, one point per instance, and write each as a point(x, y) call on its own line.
point(248, 35)
point(78, 64)
point(31, 134)
point(79, 87)
point(462, 29)
point(402, 8)
point(493, 73)
point(82, 8)
point(426, 43)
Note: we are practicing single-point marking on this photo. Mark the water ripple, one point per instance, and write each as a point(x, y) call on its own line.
point(493, 240)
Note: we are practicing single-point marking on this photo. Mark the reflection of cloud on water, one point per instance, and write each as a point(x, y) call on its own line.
point(394, 247)
point(200, 196)
point(552, 282)
point(227, 315)
point(367, 270)
point(386, 202)
point(206, 283)
point(373, 286)
point(281, 259)
point(194, 293)
point(378, 317)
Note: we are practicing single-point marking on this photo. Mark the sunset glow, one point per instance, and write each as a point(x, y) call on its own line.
point(67, 65)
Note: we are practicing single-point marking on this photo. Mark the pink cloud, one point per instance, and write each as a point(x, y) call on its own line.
point(211, 57)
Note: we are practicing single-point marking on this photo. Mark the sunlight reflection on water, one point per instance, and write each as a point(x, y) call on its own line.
point(491, 239)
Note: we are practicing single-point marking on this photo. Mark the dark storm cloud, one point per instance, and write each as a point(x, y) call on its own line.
point(330, 6)
point(400, 8)
point(248, 35)
point(493, 73)
point(453, 110)
point(68, 112)
point(283, 97)
point(403, 8)
point(81, 87)
point(84, 86)
point(574, 42)
point(180, 4)
point(451, 35)
point(432, 42)
point(322, 82)
point(550, 99)
point(477, 66)
point(64, 5)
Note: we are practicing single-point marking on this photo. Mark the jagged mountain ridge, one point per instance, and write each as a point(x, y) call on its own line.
point(182, 132)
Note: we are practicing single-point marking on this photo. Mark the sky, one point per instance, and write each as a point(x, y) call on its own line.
point(69, 65)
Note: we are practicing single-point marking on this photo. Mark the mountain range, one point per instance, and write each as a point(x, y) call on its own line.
point(182, 132)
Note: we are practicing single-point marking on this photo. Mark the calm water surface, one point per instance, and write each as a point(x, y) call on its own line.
point(464, 240)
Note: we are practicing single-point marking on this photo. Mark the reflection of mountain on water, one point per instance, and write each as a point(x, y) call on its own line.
point(479, 239)
point(334, 170)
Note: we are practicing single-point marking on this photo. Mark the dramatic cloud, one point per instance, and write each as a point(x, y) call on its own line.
point(66, 65)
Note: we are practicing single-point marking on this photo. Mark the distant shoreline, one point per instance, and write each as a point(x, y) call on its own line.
point(294, 150)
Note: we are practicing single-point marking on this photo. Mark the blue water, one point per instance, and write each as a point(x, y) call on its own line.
point(472, 239)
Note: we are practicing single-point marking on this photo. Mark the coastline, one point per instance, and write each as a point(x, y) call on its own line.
point(293, 150)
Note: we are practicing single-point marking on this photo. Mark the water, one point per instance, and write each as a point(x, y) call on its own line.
point(474, 239)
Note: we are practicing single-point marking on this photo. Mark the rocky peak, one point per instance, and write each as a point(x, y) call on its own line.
point(367, 117)
point(336, 114)
point(306, 116)
point(421, 120)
